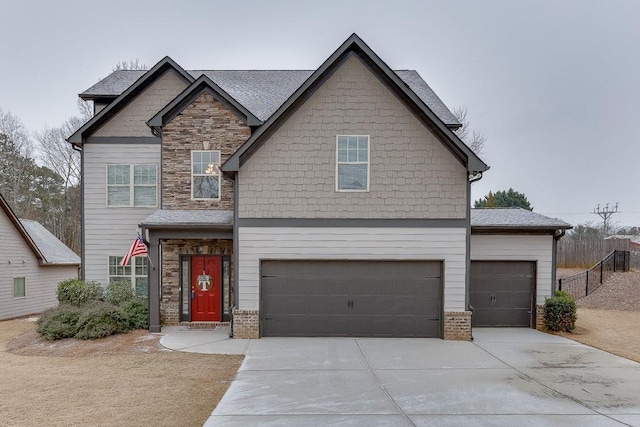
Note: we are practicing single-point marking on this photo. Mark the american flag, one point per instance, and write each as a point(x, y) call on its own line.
point(137, 248)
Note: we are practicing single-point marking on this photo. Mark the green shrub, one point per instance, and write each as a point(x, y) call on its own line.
point(138, 312)
point(119, 293)
point(560, 312)
point(59, 322)
point(102, 320)
point(78, 293)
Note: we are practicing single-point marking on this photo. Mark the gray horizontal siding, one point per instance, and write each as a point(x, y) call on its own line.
point(434, 244)
point(518, 248)
point(17, 260)
point(110, 231)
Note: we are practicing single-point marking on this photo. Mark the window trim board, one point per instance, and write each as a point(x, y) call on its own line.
point(368, 187)
point(131, 185)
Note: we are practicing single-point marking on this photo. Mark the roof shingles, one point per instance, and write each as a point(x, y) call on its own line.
point(263, 91)
point(54, 251)
point(514, 218)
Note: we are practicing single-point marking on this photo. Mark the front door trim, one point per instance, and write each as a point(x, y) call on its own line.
point(203, 281)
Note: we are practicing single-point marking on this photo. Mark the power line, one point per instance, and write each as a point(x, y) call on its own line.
point(606, 213)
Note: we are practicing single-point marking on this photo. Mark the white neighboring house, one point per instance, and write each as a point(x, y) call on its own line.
point(32, 263)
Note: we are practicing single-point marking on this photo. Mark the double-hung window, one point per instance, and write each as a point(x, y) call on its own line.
point(135, 273)
point(205, 175)
point(131, 185)
point(352, 163)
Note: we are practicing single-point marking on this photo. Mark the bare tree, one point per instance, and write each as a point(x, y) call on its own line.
point(474, 139)
point(132, 64)
point(16, 149)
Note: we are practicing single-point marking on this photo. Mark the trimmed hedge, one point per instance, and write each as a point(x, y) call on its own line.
point(87, 312)
point(560, 312)
point(79, 293)
point(119, 292)
point(138, 311)
point(59, 322)
point(102, 321)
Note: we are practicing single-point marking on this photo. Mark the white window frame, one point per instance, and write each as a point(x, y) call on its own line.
point(24, 286)
point(368, 163)
point(131, 185)
point(132, 272)
point(217, 174)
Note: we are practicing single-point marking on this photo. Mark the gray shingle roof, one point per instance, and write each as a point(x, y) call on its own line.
point(514, 218)
point(54, 251)
point(165, 217)
point(263, 91)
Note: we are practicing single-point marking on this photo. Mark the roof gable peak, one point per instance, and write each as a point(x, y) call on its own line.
point(200, 85)
point(355, 45)
point(125, 97)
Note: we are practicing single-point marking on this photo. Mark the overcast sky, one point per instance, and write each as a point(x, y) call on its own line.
point(554, 85)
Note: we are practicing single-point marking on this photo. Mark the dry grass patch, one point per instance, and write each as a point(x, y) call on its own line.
point(609, 330)
point(125, 380)
point(608, 318)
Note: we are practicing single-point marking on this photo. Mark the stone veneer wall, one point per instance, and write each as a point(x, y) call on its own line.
point(246, 324)
point(171, 251)
point(457, 325)
point(204, 121)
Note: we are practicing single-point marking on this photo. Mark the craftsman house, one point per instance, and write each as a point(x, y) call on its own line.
point(329, 202)
point(32, 263)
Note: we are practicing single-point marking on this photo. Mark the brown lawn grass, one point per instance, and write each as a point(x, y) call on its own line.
point(106, 387)
point(608, 318)
point(609, 330)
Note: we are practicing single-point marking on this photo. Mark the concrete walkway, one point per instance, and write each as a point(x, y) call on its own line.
point(505, 377)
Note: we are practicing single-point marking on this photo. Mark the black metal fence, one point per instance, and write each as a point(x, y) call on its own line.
point(583, 284)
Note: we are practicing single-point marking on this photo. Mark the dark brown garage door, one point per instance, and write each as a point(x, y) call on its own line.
point(351, 298)
point(502, 293)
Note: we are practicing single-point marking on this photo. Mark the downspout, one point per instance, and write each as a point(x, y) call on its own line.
point(82, 254)
point(557, 235)
point(473, 177)
point(236, 267)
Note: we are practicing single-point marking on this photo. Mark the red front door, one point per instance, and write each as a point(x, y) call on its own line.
point(206, 297)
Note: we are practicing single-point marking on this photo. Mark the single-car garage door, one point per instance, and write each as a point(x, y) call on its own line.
point(351, 298)
point(502, 293)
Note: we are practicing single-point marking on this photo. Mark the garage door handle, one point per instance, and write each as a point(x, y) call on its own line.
point(435, 319)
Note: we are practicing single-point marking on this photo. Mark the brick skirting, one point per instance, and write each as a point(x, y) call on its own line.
point(540, 318)
point(246, 324)
point(457, 325)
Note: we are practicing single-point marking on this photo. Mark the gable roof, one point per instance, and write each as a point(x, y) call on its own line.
point(44, 245)
point(355, 46)
point(201, 85)
point(54, 251)
point(129, 94)
point(263, 91)
point(513, 218)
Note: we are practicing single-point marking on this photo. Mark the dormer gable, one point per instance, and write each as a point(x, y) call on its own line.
point(202, 85)
point(158, 71)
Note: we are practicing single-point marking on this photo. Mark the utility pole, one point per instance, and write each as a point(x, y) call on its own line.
point(606, 213)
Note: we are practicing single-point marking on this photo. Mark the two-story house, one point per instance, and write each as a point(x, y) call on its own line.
point(329, 202)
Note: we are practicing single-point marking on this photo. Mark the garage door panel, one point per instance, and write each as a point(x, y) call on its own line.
point(501, 293)
point(351, 298)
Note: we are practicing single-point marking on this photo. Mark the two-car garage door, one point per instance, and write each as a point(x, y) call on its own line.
point(351, 298)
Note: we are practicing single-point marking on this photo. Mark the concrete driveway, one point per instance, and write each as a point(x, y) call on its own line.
point(505, 377)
